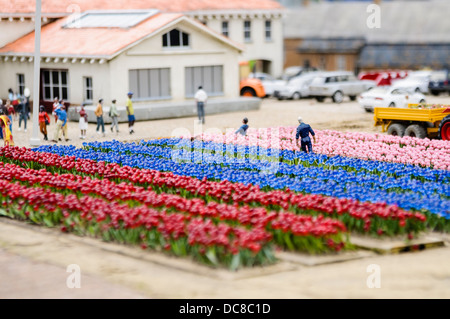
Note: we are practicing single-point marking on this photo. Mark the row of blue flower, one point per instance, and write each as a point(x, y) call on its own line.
point(231, 153)
point(337, 172)
point(344, 178)
point(339, 186)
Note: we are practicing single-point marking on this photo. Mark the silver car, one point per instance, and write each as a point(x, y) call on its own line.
point(337, 85)
point(297, 87)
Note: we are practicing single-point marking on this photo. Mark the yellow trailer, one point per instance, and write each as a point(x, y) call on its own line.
point(423, 121)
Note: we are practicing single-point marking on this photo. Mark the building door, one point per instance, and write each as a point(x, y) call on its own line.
point(54, 84)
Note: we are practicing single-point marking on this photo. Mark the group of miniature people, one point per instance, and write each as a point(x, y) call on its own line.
point(16, 105)
point(6, 119)
point(61, 118)
point(113, 114)
point(8, 110)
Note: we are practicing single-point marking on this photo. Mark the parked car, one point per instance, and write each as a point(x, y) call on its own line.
point(297, 87)
point(337, 85)
point(383, 78)
point(439, 82)
point(415, 81)
point(269, 83)
point(389, 97)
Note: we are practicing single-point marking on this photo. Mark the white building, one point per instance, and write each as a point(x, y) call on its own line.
point(105, 54)
point(261, 32)
point(247, 30)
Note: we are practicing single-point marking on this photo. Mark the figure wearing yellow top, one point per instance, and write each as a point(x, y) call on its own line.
point(99, 114)
point(130, 112)
point(7, 135)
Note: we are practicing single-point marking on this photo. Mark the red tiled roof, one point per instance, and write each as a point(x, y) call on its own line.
point(68, 6)
point(56, 40)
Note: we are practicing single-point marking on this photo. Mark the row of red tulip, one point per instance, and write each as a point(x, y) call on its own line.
point(123, 192)
point(378, 218)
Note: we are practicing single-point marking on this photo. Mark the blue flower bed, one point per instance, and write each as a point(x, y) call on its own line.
point(370, 181)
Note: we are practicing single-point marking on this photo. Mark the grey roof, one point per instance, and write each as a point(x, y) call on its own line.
point(401, 21)
point(405, 56)
point(333, 45)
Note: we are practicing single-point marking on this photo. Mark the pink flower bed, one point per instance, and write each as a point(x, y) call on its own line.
point(379, 147)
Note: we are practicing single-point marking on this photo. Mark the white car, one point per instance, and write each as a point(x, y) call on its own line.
point(297, 87)
point(389, 97)
point(269, 83)
point(415, 81)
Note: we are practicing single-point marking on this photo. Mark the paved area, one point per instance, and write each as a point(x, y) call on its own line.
point(347, 116)
point(35, 260)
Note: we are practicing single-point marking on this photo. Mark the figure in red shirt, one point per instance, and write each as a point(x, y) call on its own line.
point(44, 120)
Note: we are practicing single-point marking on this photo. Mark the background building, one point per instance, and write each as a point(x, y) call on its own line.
point(335, 35)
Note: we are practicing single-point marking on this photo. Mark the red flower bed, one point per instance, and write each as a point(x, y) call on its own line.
point(359, 216)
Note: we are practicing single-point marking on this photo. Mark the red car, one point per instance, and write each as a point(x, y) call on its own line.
point(383, 78)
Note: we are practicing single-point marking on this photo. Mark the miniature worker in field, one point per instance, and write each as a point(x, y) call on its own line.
point(243, 129)
point(303, 131)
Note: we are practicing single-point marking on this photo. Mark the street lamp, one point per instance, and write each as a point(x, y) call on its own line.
point(35, 140)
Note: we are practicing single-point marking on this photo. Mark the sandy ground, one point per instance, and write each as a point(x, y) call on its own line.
point(35, 261)
point(348, 116)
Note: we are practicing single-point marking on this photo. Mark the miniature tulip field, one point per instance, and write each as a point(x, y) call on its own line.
point(232, 201)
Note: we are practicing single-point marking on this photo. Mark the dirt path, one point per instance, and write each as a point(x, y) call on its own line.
point(35, 262)
point(35, 259)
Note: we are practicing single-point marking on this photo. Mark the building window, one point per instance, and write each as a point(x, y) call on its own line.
point(87, 89)
point(20, 83)
point(225, 28)
point(268, 30)
point(341, 62)
point(55, 84)
point(150, 83)
point(247, 31)
point(175, 38)
point(210, 77)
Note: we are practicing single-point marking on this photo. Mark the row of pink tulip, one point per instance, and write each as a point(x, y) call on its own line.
point(380, 147)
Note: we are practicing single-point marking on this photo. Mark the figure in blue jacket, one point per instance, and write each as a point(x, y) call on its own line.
point(303, 131)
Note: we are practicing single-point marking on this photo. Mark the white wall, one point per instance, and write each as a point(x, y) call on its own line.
point(100, 80)
point(204, 50)
point(98, 72)
point(258, 48)
point(8, 76)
